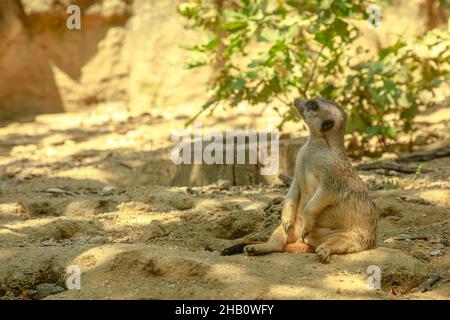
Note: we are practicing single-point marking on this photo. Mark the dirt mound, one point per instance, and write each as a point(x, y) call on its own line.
point(115, 261)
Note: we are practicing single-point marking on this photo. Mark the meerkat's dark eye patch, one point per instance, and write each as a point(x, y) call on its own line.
point(312, 105)
point(327, 125)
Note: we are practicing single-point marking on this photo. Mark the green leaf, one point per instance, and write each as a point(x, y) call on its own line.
point(372, 131)
point(327, 91)
point(269, 34)
point(235, 25)
point(325, 38)
point(325, 4)
point(256, 63)
point(391, 133)
point(341, 28)
point(236, 84)
point(328, 18)
point(391, 49)
point(253, 75)
point(188, 9)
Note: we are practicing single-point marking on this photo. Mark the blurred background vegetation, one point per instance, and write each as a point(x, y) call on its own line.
point(279, 49)
point(246, 61)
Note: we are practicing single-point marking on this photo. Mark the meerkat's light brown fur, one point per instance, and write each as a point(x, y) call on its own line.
point(327, 209)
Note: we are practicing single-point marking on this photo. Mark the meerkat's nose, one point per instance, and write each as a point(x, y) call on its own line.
point(299, 105)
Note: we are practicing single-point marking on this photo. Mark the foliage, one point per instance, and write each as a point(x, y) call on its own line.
point(266, 49)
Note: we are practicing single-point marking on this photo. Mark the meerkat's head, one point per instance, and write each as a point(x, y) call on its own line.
point(323, 117)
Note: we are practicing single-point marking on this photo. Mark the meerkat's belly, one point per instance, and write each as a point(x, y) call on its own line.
point(306, 179)
point(308, 186)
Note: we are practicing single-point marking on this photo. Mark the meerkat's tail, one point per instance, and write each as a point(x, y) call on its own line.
point(237, 248)
point(298, 247)
point(295, 247)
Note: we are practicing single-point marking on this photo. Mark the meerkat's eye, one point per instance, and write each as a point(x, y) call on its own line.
point(327, 125)
point(312, 105)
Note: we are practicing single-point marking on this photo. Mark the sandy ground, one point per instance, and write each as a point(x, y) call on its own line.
point(92, 189)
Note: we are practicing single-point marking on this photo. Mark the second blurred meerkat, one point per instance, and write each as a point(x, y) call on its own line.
point(327, 209)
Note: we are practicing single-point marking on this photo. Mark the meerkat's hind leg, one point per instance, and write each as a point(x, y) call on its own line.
point(339, 243)
point(289, 229)
point(275, 244)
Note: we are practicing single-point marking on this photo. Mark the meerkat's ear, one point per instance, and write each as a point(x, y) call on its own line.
point(327, 125)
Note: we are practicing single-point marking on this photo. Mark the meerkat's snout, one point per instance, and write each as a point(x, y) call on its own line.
point(299, 105)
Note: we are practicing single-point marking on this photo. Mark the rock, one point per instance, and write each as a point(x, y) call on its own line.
point(154, 230)
point(223, 184)
point(403, 236)
point(436, 253)
point(57, 191)
point(43, 290)
point(182, 203)
point(98, 239)
point(108, 191)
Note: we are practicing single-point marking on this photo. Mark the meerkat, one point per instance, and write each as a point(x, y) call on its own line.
point(327, 209)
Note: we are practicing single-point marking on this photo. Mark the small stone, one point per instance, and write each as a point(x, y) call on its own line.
point(98, 239)
point(108, 191)
point(403, 236)
point(56, 191)
point(43, 290)
point(438, 246)
point(436, 253)
point(223, 184)
point(181, 202)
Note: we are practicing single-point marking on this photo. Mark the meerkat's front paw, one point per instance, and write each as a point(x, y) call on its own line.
point(324, 253)
point(306, 230)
